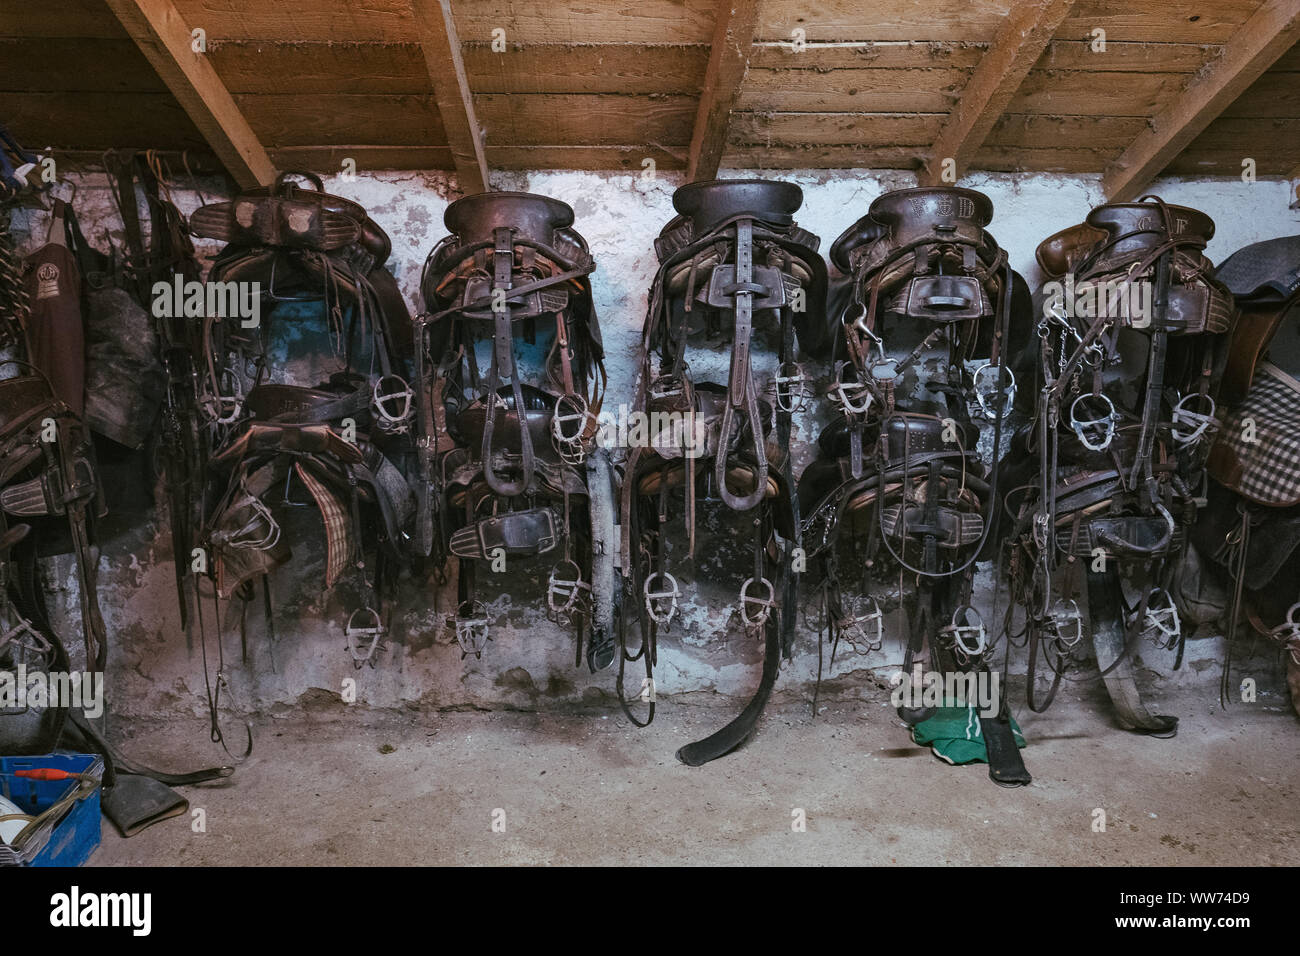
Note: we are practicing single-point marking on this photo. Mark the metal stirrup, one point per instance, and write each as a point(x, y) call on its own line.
point(1160, 621)
point(571, 445)
point(654, 598)
point(1288, 632)
point(1198, 422)
point(853, 398)
point(471, 628)
point(1106, 424)
point(969, 639)
point(764, 605)
point(566, 592)
point(1008, 393)
point(791, 387)
point(392, 388)
point(1064, 623)
point(853, 626)
point(373, 628)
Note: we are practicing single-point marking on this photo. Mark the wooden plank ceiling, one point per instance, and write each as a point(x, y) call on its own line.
point(606, 84)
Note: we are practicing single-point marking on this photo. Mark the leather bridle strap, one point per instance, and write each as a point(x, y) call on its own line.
point(503, 366)
point(740, 386)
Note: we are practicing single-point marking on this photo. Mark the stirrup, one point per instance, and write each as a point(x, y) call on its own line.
point(1064, 623)
point(983, 393)
point(566, 593)
point(25, 638)
point(571, 445)
point(372, 628)
point(1198, 422)
point(853, 626)
point(222, 409)
point(654, 599)
point(1288, 632)
point(763, 605)
point(792, 389)
point(243, 540)
point(1160, 621)
point(1105, 425)
point(968, 639)
point(471, 629)
point(391, 389)
point(852, 398)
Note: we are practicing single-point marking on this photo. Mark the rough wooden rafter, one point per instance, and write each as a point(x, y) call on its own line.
point(165, 39)
point(733, 41)
point(451, 91)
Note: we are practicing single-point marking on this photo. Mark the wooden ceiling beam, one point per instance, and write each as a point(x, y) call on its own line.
point(1029, 27)
point(165, 39)
point(1271, 31)
point(733, 41)
point(442, 55)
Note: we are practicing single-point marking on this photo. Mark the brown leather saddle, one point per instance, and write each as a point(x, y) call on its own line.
point(508, 456)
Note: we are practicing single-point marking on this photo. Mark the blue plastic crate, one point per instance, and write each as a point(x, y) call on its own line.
point(65, 842)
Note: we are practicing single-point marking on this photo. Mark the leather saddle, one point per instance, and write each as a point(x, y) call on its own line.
point(1264, 279)
point(285, 215)
point(1119, 243)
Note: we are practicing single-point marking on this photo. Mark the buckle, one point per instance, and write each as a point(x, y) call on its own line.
point(570, 443)
point(566, 592)
point(471, 629)
point(1105, 425)
point(654, 598)
point(966, 632)
point(791, 386)
point(982, 393)
point(1063, 623)
point(389, 389)
point(1160, 622)
point(1198, 423)
point(1288, 632)
point(762, 606)
point(370, 626)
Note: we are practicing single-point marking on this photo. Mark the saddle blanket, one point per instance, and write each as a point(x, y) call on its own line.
point(954, 735)
point(1271, 462)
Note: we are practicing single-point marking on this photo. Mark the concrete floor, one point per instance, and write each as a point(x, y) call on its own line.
point(591, 789)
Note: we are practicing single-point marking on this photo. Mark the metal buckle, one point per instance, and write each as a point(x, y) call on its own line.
point(791, 386)
point(1160, 622)
point(853, 398)
point(1064, 623)
point(222, 409)
point(1106, 424)
point(394, 422)
point(1199, 422)
point(374, 629)
point(471, 629)
point(853, 625)
point(571, 446)
point(566, 593)
point(764, 605)
point(654, 598)
point(1288, 632)
point(1008, 394)
point(969, 640)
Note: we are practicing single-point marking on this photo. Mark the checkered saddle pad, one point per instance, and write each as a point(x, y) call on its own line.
point(1267, 469)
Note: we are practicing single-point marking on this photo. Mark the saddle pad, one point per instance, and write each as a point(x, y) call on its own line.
point(1265, 271)
point(338, 541)
point(1270, 466)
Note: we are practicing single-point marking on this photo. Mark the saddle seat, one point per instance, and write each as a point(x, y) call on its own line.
point(906, 216)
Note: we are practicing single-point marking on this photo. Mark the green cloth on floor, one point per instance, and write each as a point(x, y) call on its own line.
point(954, 735)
